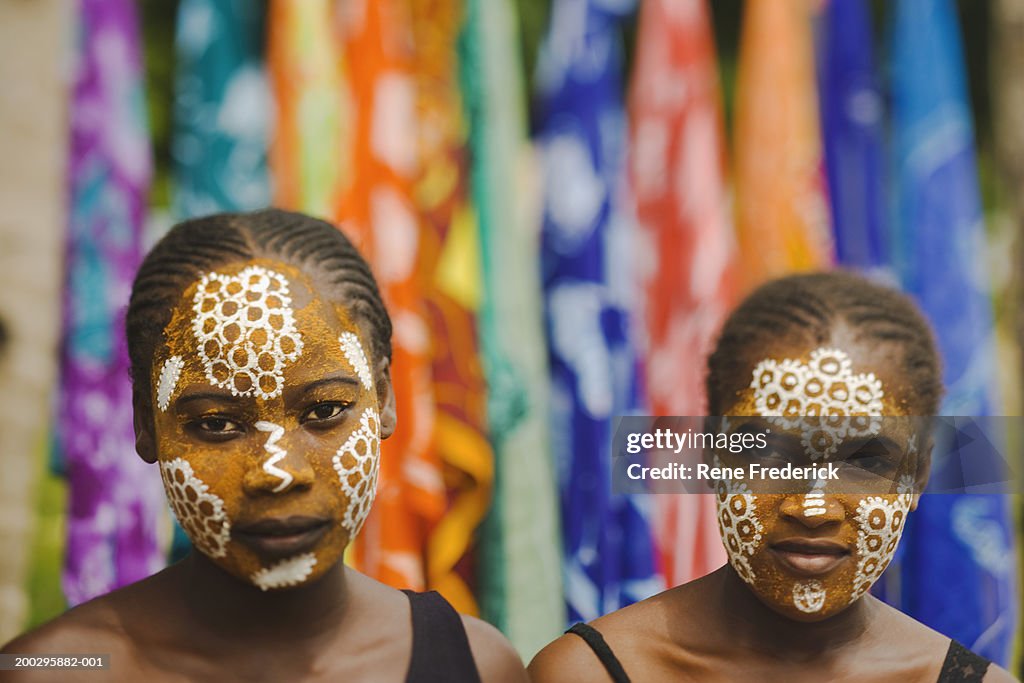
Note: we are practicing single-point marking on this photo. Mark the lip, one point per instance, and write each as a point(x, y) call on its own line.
point(809, 557)
point(282, 536)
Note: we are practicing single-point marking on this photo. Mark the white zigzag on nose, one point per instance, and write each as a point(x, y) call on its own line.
point(276, 454)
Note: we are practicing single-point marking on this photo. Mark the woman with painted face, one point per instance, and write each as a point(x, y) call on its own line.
point(839, 371)
point(260, 353)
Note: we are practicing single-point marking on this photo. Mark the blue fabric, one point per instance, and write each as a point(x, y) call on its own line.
point(852, 113)
point(959, 562)
point(609, 553)
point(222, 107)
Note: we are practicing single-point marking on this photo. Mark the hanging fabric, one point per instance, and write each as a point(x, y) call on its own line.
point(781, 212)
point(687, 263)
point(116, 500)
point(587, 240)
point(959, 560)
point(520, 584)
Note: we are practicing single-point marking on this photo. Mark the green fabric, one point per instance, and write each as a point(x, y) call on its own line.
point(520, 580)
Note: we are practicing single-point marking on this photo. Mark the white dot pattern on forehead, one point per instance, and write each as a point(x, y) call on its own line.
point(355, 356)
point(200, 513)
point(809, 596)
point(823, 396)
point(289, 572)
point(169, 375)
point(357, 463)
point(245, 330)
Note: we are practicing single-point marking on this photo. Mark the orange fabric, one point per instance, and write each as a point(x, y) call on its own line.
point(688, 268)
point(378, 210)
point(781, 210)
point(307, 154)
point(449, 253)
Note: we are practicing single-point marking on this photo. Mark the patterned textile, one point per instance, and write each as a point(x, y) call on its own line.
point(449, 253)
point(587, 246)
point(959, 563)
point(781, 212)
point(687, 258)
point(853, 117)
point(305, 61)
point(520, 585)
point(221, 109)
point(378, 210)
point(116, 499)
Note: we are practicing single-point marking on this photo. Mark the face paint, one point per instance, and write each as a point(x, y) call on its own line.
point(200, 513)
point(245, 331)
point(764, 532)
point(168, 382)
point(353, 351)
point(268, 436)
point(276, 454)
point(357, 463)
point(290, 572)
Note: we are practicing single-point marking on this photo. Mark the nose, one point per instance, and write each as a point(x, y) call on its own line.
point(276, 470)
point(814, 508)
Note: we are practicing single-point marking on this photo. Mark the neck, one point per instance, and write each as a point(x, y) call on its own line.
point(758, 627)
point(242, 613)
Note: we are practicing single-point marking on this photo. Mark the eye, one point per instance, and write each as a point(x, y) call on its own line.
point(216, 427)
point(325, 412)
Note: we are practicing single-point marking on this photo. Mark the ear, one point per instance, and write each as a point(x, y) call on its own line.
point(385, 398)
point(145, 440)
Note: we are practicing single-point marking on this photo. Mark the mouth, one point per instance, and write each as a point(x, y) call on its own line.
point(282, 536)
point(809, 557)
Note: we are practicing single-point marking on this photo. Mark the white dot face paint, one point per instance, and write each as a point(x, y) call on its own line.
point(809, 596)
point(739, 525)
point(790, 391)
point(353, 351)
point(200, 512)
point(879, 527)
point(169, 375)
point(245, 331)
point(276, 454)
point(357, 463)
point(286, 573)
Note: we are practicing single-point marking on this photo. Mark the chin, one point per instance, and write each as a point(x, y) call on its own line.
point(805, 601)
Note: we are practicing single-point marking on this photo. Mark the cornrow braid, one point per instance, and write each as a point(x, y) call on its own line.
point(200, 245)
point(806, 309)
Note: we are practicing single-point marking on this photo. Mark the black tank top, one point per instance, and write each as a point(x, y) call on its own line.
point(960, 665)
point(440, 648)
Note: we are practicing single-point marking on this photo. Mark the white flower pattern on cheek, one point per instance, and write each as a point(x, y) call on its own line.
point(200, 513)
point(169, 375)
point(879, 527)
point(357, 463)
point(355, 356)
point(245, 329)
point(738, 524)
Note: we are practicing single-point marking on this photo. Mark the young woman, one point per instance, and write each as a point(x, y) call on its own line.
point(792, 603)
point(260, 354)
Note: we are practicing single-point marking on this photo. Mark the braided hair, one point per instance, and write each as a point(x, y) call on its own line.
point(197, 246)
point(806, 309)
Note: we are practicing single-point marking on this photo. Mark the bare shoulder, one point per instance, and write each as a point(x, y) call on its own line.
point(496, 659)
point(87, 629)
point(997, 674)
point(567, 660)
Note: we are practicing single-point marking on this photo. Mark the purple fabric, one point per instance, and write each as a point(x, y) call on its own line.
point(116, 500)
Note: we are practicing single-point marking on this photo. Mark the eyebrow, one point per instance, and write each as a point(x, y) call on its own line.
point(204, 396)
point(333, 379)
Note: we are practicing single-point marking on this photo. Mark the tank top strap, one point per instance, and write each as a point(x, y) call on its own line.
point(962, 666)
point(593, 638)
point(440, 647)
